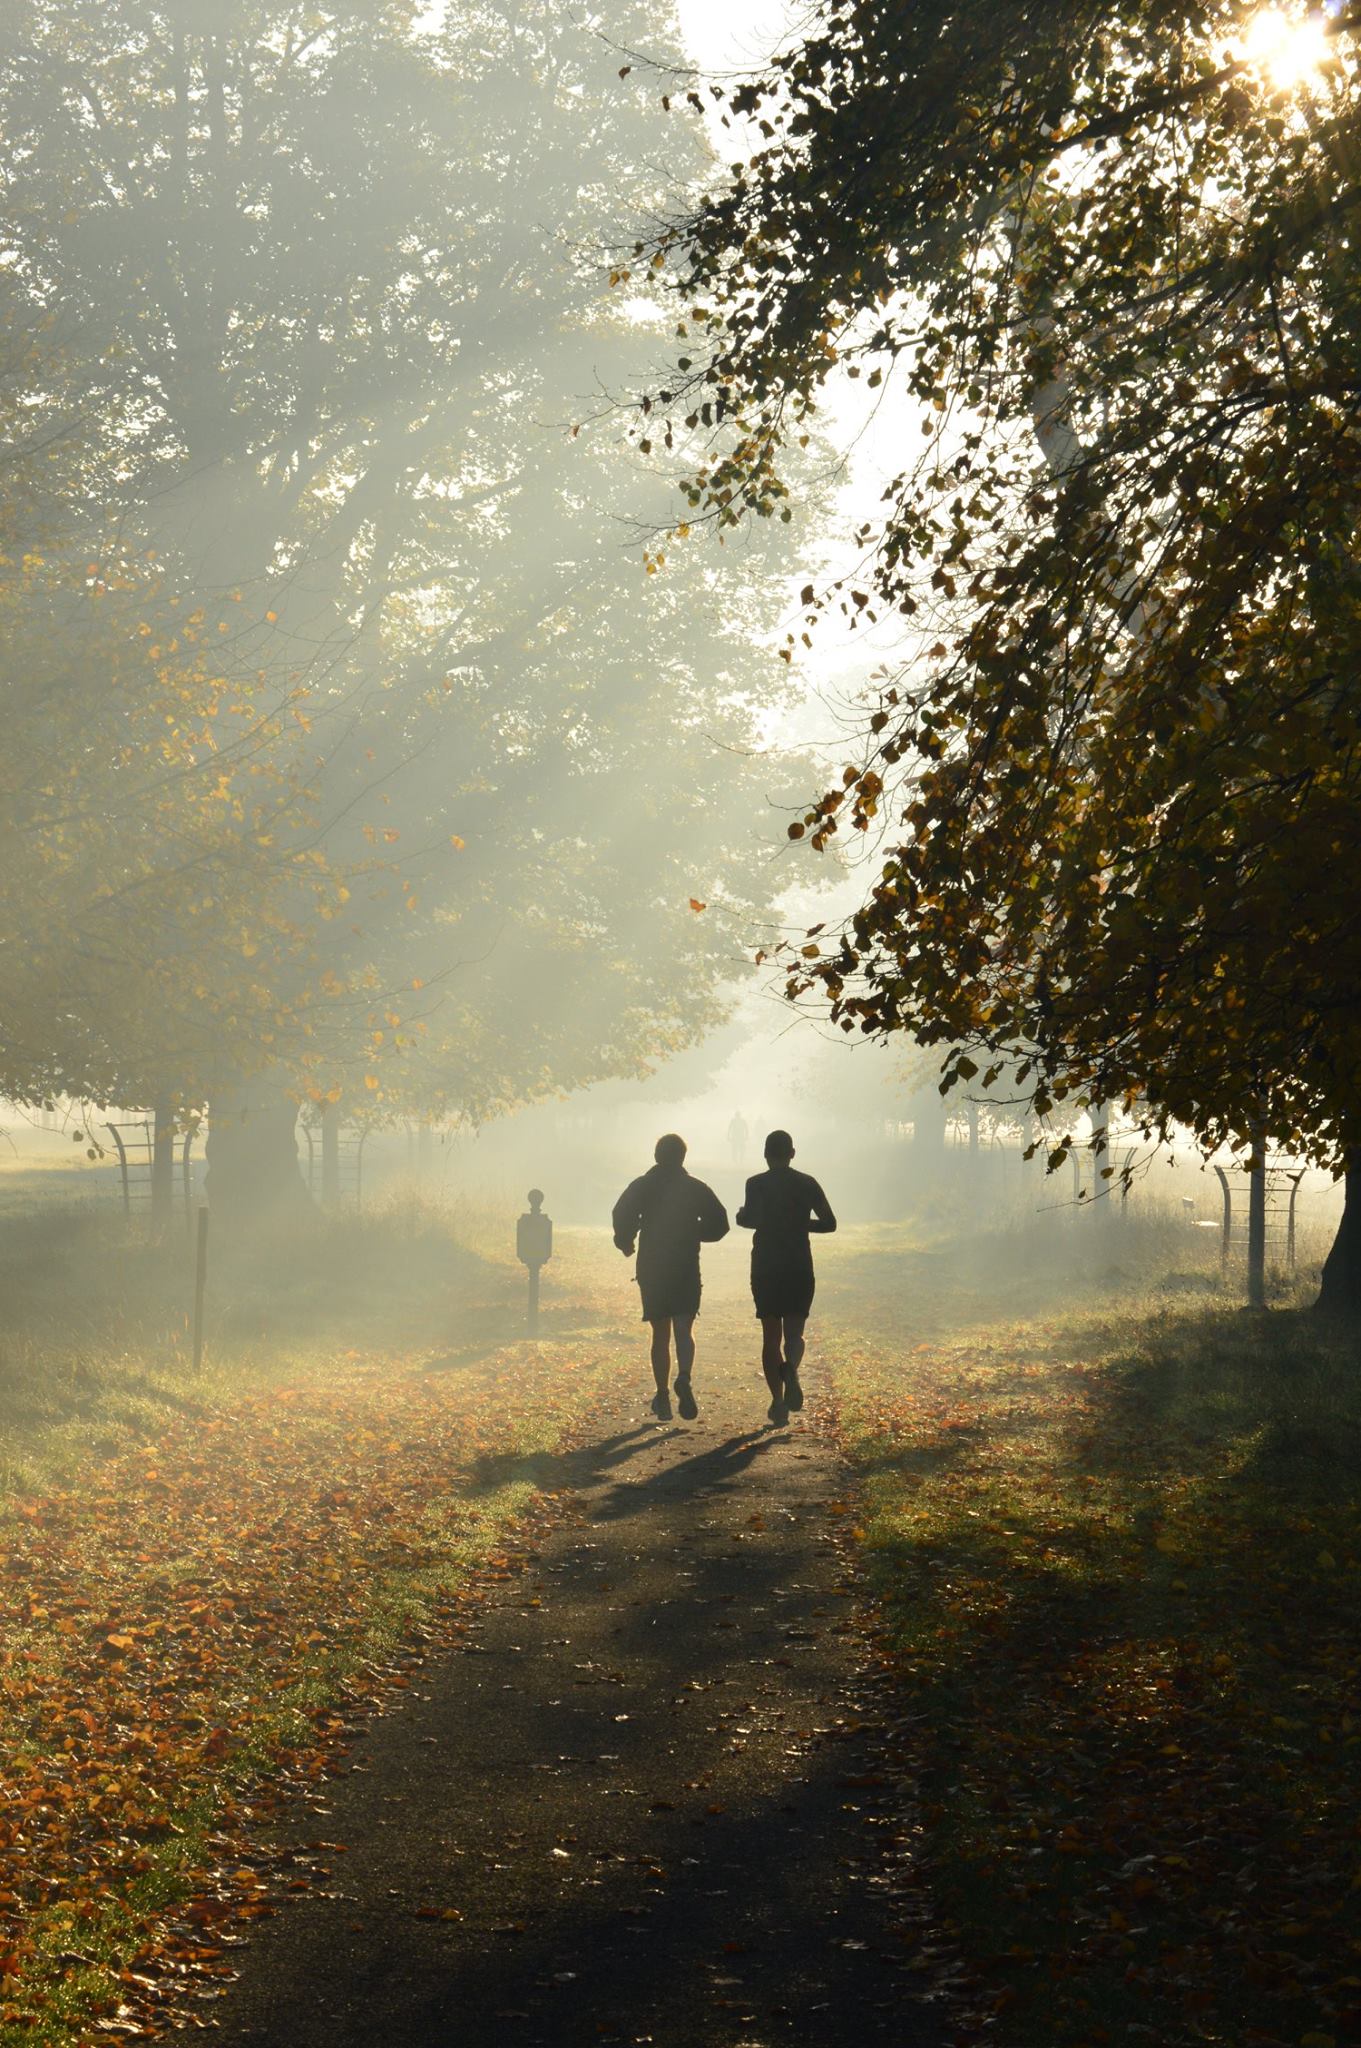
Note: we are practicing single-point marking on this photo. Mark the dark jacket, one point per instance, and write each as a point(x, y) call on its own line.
point(669, 1214)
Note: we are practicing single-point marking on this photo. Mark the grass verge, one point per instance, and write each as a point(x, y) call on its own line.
point(1116, 1555)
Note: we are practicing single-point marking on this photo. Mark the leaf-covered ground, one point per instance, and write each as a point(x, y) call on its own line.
point(1118, 1556)
point(1115, 1553)
point(221, 1602)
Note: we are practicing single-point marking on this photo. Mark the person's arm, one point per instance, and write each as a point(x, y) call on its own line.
point(747, 1218)
point(627, 1217)
point(713, 1217)
point(822, 1222)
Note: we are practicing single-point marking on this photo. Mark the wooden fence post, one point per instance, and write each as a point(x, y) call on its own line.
point(200, 1283)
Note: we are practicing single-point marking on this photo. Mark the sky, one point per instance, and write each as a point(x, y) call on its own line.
point(731, 34)
point(773, 1062)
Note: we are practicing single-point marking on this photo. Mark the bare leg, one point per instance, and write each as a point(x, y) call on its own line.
point(684, 1327)
point(661, 1352)
point(793, 1359)
point(772, 1359)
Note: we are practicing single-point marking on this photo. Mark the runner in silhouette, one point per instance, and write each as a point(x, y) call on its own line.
point(669, 1214)
point(783, 1208)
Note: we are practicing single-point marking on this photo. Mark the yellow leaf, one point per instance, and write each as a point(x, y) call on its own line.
point(371, 1081)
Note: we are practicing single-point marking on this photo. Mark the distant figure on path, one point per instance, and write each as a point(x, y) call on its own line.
point(737, 1137)
point(669, 1214)
point(784, 1208)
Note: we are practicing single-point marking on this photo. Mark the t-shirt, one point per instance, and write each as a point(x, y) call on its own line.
point(782, 1206)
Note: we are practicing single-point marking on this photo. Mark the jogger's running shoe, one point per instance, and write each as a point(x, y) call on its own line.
point(685, 1399)
point(778, 1413)
point(793, 1392)
point(661, 1405)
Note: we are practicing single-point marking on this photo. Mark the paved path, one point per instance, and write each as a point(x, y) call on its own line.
point(648, 1784)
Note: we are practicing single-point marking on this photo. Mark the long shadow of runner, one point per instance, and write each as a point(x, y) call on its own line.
point(710, 1471)
point(553, 1469)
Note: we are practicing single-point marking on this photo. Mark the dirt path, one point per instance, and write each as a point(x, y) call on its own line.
point(648, 1784)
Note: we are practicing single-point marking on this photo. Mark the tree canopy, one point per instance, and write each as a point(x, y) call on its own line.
point(1105, 257)
point(160, 861)
point(328, 295)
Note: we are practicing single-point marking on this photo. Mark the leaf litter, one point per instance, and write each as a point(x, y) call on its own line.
point(202, 1627)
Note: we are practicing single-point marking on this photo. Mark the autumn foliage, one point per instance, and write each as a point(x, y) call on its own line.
point(202, 1623)
point(1099, 263)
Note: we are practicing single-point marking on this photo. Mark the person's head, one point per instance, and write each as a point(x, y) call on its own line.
point(670, 1150)
point(536, 1199)
point(779, 1148)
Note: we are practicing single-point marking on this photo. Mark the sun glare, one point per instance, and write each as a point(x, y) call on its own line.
point(1288, 50)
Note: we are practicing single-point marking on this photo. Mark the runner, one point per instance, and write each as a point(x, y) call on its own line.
point(669, 1214)
point(783, 1207)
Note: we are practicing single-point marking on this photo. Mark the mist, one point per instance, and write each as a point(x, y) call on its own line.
point(680, 1234)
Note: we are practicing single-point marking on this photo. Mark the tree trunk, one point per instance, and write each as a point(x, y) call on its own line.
point(162, 1168)
point(1340, 1293)
point(930, 1116)
point(254, 1180)
point(1257, 1219)
point(330, 1156)
point(1100, 1113)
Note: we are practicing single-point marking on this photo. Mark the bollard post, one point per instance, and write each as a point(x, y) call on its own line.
point(532, 1310)
point(534, 1248)
point(200, 1283)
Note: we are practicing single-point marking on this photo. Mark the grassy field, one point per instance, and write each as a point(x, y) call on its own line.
point(1113, 1527)
point(211, 1578)
point(95, 1337)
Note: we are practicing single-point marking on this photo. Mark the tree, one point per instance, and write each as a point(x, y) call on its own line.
point(332, 286)
point(1108, 256)
point(145, 816)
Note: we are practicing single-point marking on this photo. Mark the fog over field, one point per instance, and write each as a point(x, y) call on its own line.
point(680, 1066)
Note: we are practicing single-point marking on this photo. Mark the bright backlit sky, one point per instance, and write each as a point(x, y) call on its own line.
point(723, 35)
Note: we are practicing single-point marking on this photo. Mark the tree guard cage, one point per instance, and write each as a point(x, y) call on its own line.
point(1088, 1167)
point(134, 1144)
point(1280, 1186)
point(335, 1163)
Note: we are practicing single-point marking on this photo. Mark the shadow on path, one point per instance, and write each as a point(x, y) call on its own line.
point(645, 1794)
